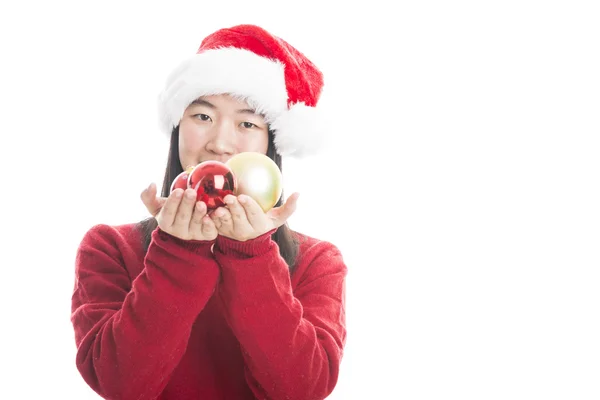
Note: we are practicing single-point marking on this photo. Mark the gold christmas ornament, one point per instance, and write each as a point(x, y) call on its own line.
point(257, 176)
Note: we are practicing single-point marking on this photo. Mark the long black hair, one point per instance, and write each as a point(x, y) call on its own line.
point(284, 237)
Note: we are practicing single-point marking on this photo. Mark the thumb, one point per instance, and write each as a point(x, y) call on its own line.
point(151, 201)
point(281, 214)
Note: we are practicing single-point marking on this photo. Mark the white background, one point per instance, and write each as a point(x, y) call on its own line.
point(461, 181)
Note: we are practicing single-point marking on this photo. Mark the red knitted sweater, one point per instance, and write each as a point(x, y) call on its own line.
point(187, 320)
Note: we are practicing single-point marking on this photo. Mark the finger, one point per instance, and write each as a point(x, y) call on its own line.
point(151, 201)
point(222, 219)
point(208, 227)
point(213, 215)
point(148, 193)
point(197, 216)
point(254, 213)
point(186, 208)
point(168, 212)
point(237, 211)
point(281, 214)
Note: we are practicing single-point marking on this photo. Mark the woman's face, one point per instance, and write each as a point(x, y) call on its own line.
point(217, 128)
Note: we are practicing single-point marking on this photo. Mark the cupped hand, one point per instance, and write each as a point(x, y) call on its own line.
point(180, 215)
point(243, 219)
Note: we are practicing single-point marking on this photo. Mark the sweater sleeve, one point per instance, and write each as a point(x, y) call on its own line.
point(292, 340)
point(131, 335)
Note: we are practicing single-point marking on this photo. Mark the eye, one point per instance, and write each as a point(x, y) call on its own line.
point(202, 117)
point(249, 125)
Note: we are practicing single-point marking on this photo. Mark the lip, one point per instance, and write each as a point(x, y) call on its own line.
point(221, 160)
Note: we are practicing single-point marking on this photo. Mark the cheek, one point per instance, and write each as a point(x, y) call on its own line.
point(258, 143)
point(190, 142)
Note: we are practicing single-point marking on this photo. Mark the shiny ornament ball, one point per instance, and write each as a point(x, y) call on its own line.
point(181, 181)
point(212, 181)
point(257, 176)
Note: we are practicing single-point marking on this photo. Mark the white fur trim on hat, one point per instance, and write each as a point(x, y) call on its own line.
point(241, 73)
point(245, 75)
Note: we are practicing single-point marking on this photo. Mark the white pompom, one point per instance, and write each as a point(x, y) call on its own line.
point(300, 131)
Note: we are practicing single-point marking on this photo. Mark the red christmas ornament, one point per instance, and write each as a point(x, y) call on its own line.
point(181, 181)
point(212, 181)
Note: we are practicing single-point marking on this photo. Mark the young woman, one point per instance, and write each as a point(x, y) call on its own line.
point(230, 304)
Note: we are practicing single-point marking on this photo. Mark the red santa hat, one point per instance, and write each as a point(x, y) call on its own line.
point(249, 63)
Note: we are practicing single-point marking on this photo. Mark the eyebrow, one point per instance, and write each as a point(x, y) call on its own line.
point(210, 105)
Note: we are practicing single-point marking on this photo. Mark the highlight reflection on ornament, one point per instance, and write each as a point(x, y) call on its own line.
point(212, 181)
point(257, 176)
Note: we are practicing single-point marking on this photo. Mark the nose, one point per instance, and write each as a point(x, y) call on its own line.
point(222, 140)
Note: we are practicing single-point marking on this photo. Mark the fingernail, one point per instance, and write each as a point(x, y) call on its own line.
point(178, 193)
point(242, 199)
point(229, 199)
